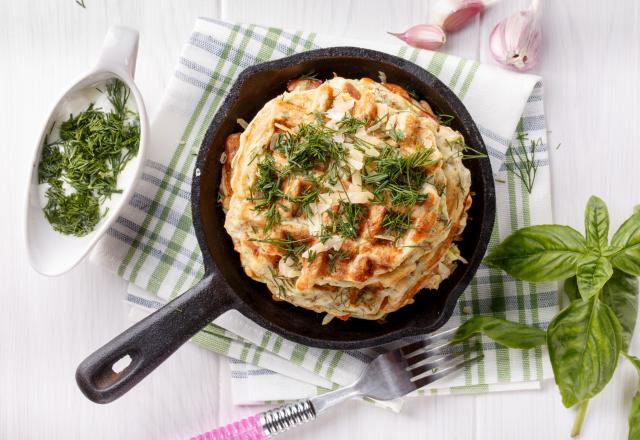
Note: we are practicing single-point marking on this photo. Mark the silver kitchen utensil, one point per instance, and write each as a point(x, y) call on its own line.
point(389, 376)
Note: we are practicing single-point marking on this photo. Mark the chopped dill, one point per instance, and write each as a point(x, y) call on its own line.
point(464, 151)
point(312, 74)
point(291, 247)
point(396, 177)
point(523, 162)
point(267, 186)
point(82, 166)
point(334, 256)
point(350, 124)
point(445, 119)
point(345, 221)
point(397, 222)
point(395, 134)
point(309, 146)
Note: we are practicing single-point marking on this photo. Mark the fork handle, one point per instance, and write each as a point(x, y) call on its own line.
point(265, 424)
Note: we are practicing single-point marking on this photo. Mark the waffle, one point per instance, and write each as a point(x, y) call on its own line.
point(346, 197)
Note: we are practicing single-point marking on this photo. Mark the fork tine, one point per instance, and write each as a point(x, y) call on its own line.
point(426, 364)
point(419, 383)
point(419, 356)
point(409, 349)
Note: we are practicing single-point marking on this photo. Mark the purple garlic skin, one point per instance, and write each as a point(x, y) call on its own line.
point(423, 36)
point(515, 41)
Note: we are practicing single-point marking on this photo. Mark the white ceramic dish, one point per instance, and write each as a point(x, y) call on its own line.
point(50, 252)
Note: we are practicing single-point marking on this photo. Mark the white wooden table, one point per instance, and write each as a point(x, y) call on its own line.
point(591, 68)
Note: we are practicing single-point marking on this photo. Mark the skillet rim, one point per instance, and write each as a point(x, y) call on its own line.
point(485, 180)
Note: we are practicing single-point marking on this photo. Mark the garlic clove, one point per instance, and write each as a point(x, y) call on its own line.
point(423, 36)
point(515, 41)
point(459, 16)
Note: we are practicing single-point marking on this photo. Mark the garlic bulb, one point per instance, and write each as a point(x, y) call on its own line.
point(423, 36)
point(515, 41)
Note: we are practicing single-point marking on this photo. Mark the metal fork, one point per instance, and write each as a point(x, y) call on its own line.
point(389, 376)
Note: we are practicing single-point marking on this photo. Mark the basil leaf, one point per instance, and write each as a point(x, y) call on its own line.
point(584, 342)
point(596, 223)
point(508, 333)
point(634, 412)
point(539, 253)
point(627, 239)
point(592, 273)
point(621, 294)
point(571, 289)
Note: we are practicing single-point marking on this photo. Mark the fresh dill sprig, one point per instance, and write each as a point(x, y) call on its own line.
point(464, 151)
point(345, 221)
point(81, 3)
point(309, 146)
point(395, 134)
point(445, 119)
point(82, 166)
point(523, 162)
point(267, 187)
point(291, 247)
point(397, 222)
point(469, 153)
point(312, 74)
point(396, 177)
point(350, 124)
point(333, 258)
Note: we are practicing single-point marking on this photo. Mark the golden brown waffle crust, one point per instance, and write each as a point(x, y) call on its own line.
point(376, 273)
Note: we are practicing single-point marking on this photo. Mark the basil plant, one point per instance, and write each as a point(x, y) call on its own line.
point(587, 337)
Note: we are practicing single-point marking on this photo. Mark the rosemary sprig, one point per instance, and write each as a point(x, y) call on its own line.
point(523, 162)
point(83, 165)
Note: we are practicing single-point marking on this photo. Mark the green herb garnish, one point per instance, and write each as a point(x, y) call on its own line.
point(82, 167)
point(395, 134)
point(523, 163)
point(445, 119)
point(397, 222)
point(334, 256)
point(291, 247)
point(396, 177)
point(309, 146)
point(345, 221)
point(586, 339)
point(312, 74)
point(266, 190)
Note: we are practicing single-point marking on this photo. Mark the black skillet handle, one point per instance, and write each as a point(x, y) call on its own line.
point(149, 342)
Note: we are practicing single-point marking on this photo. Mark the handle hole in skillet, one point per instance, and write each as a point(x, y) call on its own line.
point(113, 370)
point(121, 364)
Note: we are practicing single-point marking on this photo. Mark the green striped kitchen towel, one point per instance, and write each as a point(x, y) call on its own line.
point(153, 245)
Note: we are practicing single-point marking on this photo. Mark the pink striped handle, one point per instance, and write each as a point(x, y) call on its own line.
point(247, 429)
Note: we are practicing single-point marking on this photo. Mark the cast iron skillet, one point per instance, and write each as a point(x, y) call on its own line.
point(225, 285)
